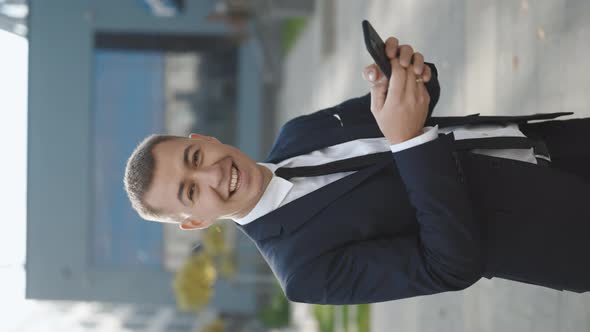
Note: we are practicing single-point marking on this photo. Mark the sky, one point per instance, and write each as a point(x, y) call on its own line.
point(13, 174)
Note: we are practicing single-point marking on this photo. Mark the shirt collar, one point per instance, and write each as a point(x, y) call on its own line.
point(271, 199)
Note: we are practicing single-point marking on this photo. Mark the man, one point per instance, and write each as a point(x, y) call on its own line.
point(362, 203)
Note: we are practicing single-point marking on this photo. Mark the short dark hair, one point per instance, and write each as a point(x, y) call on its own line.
point(139, 174)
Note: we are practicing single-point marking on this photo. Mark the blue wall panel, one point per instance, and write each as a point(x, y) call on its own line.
point(128, 106)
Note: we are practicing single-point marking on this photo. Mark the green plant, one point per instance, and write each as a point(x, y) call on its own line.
point(363, 318)
point(324, 315)
point(277, 313)
point(292, 29)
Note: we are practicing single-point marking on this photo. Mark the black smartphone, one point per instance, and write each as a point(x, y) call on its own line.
point(376, 48)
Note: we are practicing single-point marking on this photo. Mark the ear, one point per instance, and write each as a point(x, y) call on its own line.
point(192, 224)
point(203, 137)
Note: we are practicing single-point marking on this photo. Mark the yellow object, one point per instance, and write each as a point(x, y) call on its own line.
point(193, 284)
point(215, 326)
point(214, 241)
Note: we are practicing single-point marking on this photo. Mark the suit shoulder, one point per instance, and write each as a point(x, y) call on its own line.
point(328, 112)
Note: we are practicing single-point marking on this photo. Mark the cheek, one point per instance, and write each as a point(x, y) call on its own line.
point(210, 205)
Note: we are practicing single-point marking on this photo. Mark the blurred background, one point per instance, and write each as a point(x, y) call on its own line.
point(83, 81)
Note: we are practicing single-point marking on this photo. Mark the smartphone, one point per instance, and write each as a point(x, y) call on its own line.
point(376, 48)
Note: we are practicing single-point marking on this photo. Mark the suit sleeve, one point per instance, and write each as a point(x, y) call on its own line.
point(445, 254)
point(428, 134)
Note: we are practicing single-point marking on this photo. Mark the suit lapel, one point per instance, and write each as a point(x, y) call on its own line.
point(291, 216)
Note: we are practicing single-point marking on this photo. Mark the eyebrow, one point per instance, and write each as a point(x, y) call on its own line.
point(185, 162)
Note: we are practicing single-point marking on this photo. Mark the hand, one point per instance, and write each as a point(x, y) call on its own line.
point(407, 57)
point(400, 105)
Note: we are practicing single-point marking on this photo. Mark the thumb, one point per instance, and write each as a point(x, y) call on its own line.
point(370, 73)
point(378, 95)
point(379, 84)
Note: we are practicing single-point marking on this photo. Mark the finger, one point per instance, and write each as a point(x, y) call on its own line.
point(405, 55)
point(418, 63)
point(411, 84)
point(371, 72)
point(422, 93)
point(391, 47)
point(378, 95)
point(427, 75)
point(398, 80)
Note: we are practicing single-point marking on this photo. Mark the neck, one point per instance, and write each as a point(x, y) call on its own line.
point(267, 175)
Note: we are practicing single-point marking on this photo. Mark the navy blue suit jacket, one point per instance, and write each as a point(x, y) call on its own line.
point(428, 221)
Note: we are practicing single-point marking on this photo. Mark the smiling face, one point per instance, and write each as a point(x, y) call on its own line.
point(199, 180)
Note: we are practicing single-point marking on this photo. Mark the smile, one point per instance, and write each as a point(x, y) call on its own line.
point(236, 180)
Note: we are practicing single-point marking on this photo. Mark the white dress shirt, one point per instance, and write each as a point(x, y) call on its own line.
point(280, 191)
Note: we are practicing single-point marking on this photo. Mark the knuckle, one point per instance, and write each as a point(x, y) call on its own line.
point(390, 46)
point(391, 40)
point(378, 87)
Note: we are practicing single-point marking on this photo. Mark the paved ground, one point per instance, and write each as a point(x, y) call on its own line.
point(494, 57)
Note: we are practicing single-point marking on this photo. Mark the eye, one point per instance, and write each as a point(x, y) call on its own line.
point(196, 157)
point(191, 192)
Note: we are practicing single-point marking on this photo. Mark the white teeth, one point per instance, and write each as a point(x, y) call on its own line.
point(234, 179)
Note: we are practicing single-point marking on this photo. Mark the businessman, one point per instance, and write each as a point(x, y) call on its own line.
point(375, 199)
